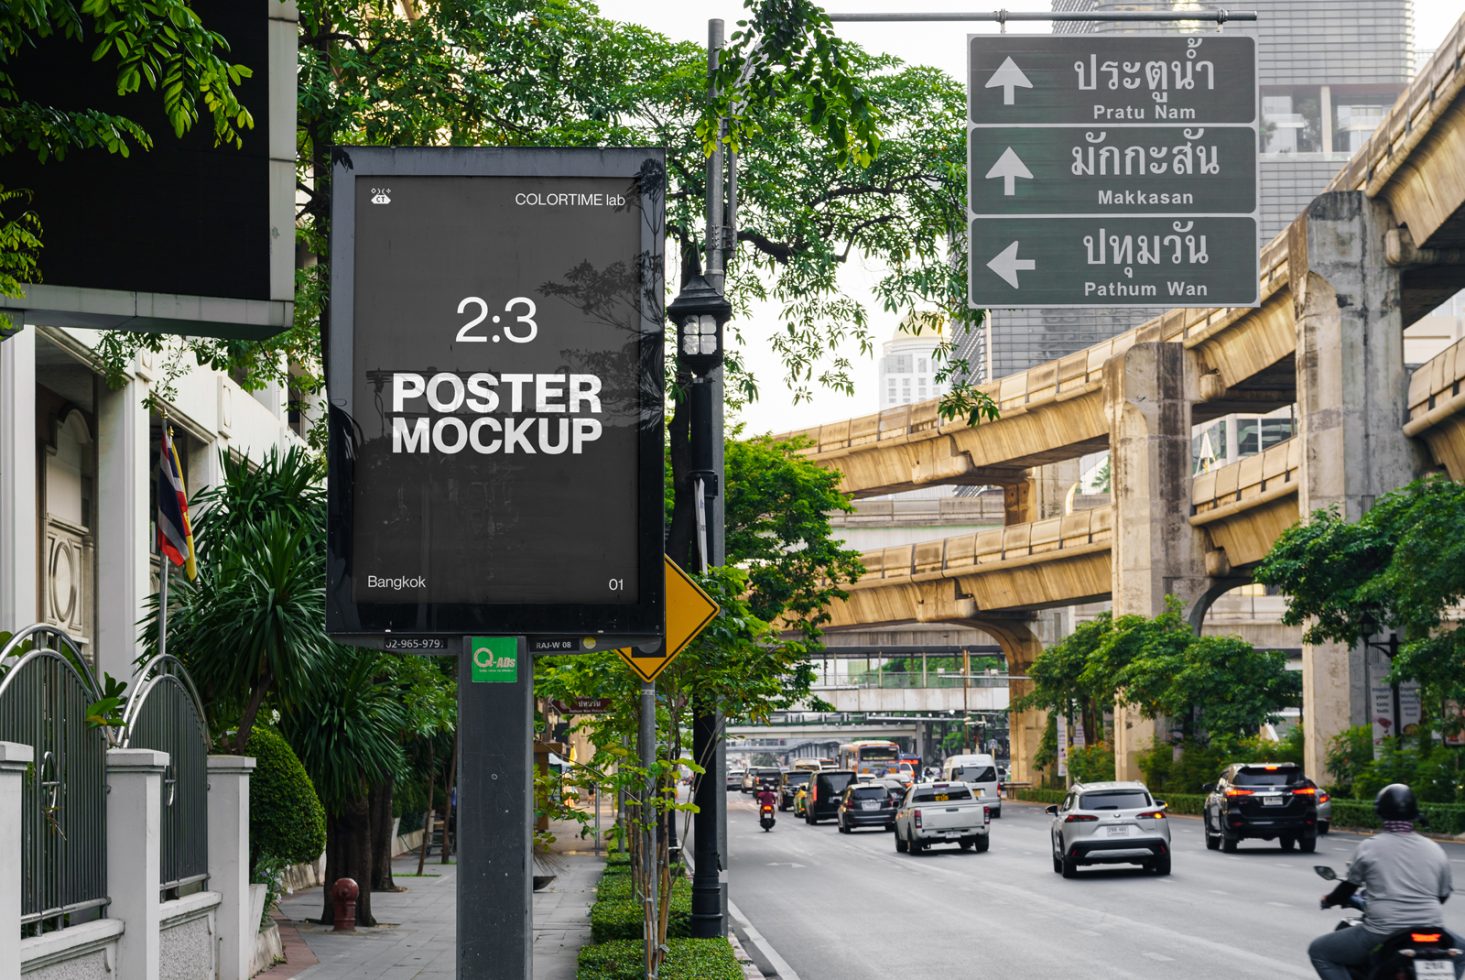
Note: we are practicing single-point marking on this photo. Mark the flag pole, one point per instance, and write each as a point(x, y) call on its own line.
point(163, 564)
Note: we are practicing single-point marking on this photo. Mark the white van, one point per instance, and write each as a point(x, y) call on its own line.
point(979, 772)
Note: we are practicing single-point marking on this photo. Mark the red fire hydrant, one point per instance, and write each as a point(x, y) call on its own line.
point(343, 898)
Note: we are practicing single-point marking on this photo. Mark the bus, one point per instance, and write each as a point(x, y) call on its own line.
point(873, 756)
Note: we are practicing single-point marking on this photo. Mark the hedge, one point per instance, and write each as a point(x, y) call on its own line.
point(618, 915)
point(686, 959)
point(1439, 818)
point(286, 819)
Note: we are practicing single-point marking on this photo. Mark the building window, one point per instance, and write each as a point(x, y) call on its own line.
point(1292, 120)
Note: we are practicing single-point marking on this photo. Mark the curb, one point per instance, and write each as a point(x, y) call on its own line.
point(762, 952)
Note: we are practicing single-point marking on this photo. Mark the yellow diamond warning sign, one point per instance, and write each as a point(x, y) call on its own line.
point(688, 611)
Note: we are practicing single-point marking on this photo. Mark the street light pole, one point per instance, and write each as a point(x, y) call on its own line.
point(709, 894)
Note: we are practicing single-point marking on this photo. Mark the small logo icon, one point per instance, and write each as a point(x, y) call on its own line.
point(381, 195)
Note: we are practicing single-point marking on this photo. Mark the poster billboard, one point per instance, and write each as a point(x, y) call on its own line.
point(496, 392)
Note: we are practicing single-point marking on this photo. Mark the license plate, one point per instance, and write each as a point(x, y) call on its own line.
point(1122, 831)
point(869, 804)
point(1425, 969)
point(1273, 801)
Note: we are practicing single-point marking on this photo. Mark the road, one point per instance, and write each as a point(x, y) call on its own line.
point(847, 906)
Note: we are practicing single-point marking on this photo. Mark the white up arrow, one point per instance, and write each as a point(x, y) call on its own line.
point(1008, 77)
point(1009, 167)
point(1008, 265)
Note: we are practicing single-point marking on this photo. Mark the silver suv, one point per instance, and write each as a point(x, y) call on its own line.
point(1110, 823)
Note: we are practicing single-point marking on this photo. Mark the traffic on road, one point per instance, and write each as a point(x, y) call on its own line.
point(1135, 891)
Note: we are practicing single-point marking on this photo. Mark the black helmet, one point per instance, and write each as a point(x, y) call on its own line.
point(1396, 802)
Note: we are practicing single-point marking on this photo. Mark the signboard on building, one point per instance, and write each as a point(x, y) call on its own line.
point(189, 237)
point(1112, 171)
point(496, 383)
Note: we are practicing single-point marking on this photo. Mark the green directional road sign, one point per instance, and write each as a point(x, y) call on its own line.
point(1016, 170)
point(1161, 262)
point(1112, 171)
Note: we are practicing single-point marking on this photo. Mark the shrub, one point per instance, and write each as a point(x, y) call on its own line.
point(286, 819)
point(1091, 763)
point(686, 959)
point(620, 916)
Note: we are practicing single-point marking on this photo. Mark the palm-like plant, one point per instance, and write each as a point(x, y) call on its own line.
point(251, 626)
point(348, 738)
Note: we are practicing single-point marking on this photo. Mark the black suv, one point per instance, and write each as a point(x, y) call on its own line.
point(825, 791)
point(866, 805)
point(1270, 800)
point(764, 779)
point(789, 785)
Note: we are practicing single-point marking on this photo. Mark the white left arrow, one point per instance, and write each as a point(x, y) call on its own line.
point(1008, 265)
point(1009, 167)
point(1007, 77)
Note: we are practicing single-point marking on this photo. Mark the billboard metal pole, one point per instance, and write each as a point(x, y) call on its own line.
point(495, 829)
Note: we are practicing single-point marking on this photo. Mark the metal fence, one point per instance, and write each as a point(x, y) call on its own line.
point(164, 713)
point(45, 691)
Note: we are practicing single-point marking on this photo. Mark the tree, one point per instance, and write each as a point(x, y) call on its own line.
point(1217, 686)
point(777, 528)
point(163, 44)
point(347, 740)
point(1401, 566)
point(1059, 684)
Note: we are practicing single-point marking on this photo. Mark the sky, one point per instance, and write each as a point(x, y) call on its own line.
point(938, 44)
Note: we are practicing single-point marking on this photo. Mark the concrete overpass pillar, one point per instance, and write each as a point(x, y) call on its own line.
point(1148, 392)
point(1020, 646)
point(1352, 401)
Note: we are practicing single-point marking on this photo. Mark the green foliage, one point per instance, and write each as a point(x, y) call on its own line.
point(251, 625)
point(1091, 763)
point(270, 872)
point(1349, 754)
point(162, 44)
point(286, 820)
point(20, 248)
point(619, 913)
point(1401, 566)
point(1214, 685)
point(1199, 763)
point(777, 527)
point(349, 736)
point(686, 959)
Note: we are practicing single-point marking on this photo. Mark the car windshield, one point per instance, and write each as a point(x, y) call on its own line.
point(1114, 799)
point(942, 794)
point(868, 793)
point(796, 778)
point(1267, 776)
point(975, 774)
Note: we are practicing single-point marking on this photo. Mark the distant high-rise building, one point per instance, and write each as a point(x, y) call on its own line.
point(1327, 71)
point(908, 370)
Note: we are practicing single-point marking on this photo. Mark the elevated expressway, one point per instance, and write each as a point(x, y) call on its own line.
point(1383, 245)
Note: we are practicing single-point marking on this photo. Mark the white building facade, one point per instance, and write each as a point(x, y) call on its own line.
point(78, 476)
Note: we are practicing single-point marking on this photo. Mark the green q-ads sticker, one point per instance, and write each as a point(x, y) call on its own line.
point(495, 659)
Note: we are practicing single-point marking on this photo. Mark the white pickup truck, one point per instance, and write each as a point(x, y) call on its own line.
point(936, 813)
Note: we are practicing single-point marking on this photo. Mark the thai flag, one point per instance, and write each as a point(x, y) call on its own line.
point(175, 534)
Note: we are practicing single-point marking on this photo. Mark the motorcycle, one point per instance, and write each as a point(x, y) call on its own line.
point(765, 816)
point(1409, 954)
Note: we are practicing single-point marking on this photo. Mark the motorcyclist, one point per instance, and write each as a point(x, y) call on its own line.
point(766, 797)
point(1407, 877)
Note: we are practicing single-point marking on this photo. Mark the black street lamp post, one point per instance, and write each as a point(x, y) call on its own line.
point(700, 311)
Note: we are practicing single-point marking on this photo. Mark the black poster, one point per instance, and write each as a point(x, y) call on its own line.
point(505, 393)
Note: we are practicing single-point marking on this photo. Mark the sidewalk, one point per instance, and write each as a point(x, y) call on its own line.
point(417, 938)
